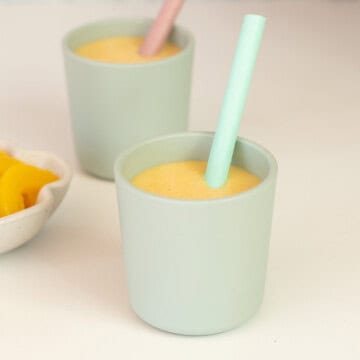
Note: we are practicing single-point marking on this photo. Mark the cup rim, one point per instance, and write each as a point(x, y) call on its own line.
point(121, 179)
point(141, 20)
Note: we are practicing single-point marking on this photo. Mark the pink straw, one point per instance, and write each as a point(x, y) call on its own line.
point(161, 28)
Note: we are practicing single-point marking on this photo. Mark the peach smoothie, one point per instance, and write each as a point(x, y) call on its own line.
point(186, 180)
point(123, 50)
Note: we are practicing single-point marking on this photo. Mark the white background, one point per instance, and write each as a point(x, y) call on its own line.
point(63, 296)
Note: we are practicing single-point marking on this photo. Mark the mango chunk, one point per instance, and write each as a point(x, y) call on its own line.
point(6, 161)
point(20, 185)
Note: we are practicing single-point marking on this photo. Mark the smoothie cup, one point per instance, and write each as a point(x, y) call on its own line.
point(114, 105)
point(195, 267)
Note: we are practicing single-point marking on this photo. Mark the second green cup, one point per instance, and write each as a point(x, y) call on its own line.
point(114, 105)
point(195, 267)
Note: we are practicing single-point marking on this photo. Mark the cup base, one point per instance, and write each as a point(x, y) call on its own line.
point(98, 175)
point(198, 332)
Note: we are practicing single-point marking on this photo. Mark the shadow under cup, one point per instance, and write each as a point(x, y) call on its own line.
point(195, 267)
point(115, 105)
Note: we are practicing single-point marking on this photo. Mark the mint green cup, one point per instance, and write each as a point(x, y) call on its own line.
point(113, 106)
point(195, 267)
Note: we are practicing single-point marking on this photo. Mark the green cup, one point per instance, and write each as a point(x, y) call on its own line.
point(195, 267)
point(113, 106)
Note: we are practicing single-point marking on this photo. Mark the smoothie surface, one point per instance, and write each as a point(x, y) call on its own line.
point(122, 50)
point(186, 180)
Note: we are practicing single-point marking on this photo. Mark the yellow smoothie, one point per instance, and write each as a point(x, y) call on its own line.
point(186, 180)
point(122, 50)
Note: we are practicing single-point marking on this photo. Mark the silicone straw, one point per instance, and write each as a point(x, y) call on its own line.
point(234, 101)
point(161, 28)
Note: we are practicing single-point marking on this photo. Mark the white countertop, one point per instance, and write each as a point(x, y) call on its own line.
point(62, 296)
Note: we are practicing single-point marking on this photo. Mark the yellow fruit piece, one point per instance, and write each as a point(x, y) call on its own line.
point(20, 185)
point(6, 161)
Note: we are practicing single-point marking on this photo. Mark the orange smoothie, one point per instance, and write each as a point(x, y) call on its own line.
point(122, 50)
point(186, 180)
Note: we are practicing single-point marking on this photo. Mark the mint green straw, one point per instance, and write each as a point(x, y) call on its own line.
point(234, 101)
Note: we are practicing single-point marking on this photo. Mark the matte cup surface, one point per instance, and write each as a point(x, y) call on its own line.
point(114, 106)
point(195, 267)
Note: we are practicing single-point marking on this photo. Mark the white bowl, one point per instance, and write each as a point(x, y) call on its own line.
point(18, 228)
